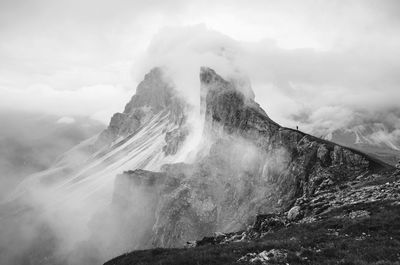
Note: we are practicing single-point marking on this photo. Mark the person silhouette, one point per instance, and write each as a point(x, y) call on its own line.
point(297, 127)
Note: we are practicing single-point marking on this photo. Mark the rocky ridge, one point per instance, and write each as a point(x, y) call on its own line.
point(253, 166)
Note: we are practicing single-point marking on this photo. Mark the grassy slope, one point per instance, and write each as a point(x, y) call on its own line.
point(333, 240)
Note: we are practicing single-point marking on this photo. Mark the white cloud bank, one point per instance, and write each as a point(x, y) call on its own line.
point(321, 65)
point(319, 90)
point(96, 101)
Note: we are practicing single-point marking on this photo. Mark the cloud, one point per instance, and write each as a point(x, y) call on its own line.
point(300, 56)
point(319, 90)
point(94, 101)
point(66, 120)
point(31, 142)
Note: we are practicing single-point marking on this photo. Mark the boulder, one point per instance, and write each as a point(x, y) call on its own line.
point(294, 213)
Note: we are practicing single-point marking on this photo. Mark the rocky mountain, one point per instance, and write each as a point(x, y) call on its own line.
point(80, 183)
point(153, 96)
point(252, 171)
point(132, 187)
point(144, 134)
point(252, 166)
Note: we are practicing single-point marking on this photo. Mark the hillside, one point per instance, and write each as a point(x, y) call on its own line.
point(357, 232)
point(251, 170)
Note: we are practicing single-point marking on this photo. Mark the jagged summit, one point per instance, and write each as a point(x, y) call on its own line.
point(208, 76)
point(236, 81)
point(153, 92)
point(228, 104)
point(154, 95)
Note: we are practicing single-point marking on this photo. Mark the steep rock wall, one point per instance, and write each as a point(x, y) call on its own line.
point(253, 166)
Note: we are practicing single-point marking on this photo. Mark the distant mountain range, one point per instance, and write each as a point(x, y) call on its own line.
point(369, 138)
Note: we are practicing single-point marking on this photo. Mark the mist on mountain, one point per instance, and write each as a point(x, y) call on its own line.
point(69, 203)
point(31, 142)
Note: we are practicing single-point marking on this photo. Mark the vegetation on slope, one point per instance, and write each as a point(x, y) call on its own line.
point(337, 238)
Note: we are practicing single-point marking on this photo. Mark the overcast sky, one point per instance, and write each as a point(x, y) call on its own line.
point(318, 63)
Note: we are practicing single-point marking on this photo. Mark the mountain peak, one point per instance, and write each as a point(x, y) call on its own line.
point(235, 81)
point(251, 165)
point(209, 76)
point(153, 95)
point(154, 92)
point(229, 103)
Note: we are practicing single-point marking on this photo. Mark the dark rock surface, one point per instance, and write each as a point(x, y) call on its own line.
point(318, 207)
point(253, 166)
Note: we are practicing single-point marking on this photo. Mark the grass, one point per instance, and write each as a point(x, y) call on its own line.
point(335, 239)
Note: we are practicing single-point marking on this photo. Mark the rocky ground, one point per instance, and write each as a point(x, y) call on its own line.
point(357, 224)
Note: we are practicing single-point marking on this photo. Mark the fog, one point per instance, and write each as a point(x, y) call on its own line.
point(68, 209)
point(303, 58)
point(31, 142)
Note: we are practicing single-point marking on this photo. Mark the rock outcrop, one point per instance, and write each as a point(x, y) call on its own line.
point(252, 166)
point(358, 194)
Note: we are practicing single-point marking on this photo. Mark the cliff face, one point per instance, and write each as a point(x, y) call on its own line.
point(252, 166)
